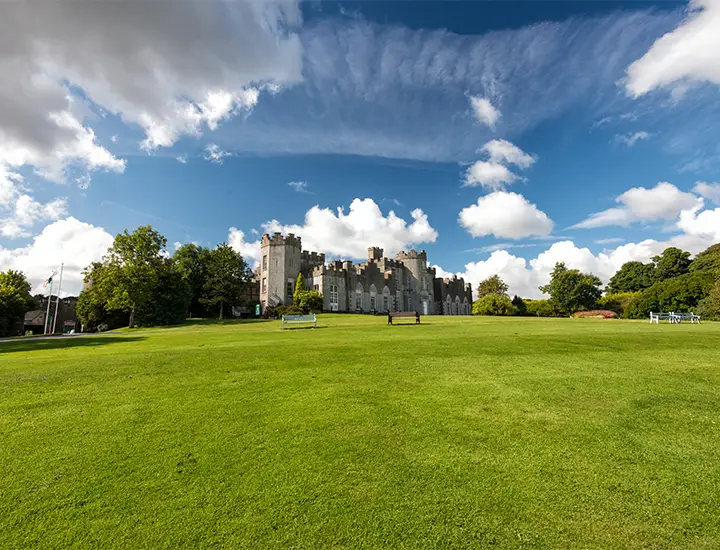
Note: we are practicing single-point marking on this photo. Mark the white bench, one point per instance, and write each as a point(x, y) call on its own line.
point(297, 319)
point(674, 317)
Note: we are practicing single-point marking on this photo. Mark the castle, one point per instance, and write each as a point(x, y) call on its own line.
point(380, 284)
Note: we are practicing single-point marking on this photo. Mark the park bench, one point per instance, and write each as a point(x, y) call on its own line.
point(674, 317)
point(298, 319)
point(393, 314)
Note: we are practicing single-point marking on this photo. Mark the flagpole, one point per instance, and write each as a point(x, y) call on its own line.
point(47, 314)
point(57, 302)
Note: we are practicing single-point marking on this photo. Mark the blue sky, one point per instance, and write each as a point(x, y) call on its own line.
point(499, 136)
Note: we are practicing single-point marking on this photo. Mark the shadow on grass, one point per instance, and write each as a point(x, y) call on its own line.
point(52, 343)
point(302, 328)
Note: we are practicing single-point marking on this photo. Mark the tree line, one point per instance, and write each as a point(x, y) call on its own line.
point(671, 281)
point(138, 283)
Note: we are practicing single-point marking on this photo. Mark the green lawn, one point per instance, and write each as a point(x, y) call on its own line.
point(459, 433)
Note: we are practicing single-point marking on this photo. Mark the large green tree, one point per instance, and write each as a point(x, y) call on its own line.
point(15, 299)
point(134, 262)
point(707, 260)
point(571, 290)
point(709, 307)
point(682, 294)
point(673, 262)
point(226, 274)
point(631, 277)
point(492, 285)
point(300, 289)
point(191, 262)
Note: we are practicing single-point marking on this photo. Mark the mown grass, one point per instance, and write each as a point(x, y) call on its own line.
point(461, 432)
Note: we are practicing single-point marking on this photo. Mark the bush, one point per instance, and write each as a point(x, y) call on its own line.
point(520, 305)
point(493, 304)
point(709, 308)
point(310, 300)
point(288, 310)
point(596, 314)
point(540, 308)
point(618, 302)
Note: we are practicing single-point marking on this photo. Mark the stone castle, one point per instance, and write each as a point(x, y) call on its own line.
point(380, 284)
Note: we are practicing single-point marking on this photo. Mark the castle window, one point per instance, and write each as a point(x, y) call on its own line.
point(385, 303)
point(358, 300)
point(333, 294)
point(265, 262)
point(264, 285)
point(372, 303)
point(424, 283)
point(289, 290)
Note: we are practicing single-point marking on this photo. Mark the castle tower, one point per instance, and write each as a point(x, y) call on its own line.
point(375, 254)
point(420, 284)
point(280, 263)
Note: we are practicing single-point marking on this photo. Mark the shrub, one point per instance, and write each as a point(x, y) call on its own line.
point(494, 304)
point(595, 314)
point(540, 308)
point(520, 305)
point(709, 308)
point(310, 300)
point(288, 310)
point(618, 302)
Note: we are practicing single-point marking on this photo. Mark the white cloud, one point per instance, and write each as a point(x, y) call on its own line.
point(702, 224)
point(490, 175)
point(299, 186)
point(630, 139)
point(249, 250)
point(525, 276)
point(493, 173)
point(173, 69)
point(687, 55)
point(502, 151)
point(505, 214)
point(26, 212)
point(68, 241)
point(484, 111)
point(662, 202)
point(611, 240)
point(349, 235)
point(182, 159)
point(214, 153)
point(710, 191)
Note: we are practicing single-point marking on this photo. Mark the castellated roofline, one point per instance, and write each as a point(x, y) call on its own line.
point(411, 255)
point(277, 239)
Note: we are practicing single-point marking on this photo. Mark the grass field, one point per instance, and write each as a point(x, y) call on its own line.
point(461, 432)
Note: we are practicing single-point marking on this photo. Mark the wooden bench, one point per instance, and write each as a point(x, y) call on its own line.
point(297, 319)
point(393, 314)
point(674, 317)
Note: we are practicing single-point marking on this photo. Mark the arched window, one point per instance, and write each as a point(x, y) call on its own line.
point(457, 306)
point(359, 297)
point(373, 298)
point(448, 306)
point(386, 299)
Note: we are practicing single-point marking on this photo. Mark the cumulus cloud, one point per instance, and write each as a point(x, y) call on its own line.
point(349, 235)
point(710, 191)
point(68, 241)
point(630, 139)
point(503, 214)
point(524, 276)
point(249, 250)
point(702, 224)
point(25, 212)
point(662, 202)
point(502, 151)
point(484, 111)
point(493, 173)
point(687, 55)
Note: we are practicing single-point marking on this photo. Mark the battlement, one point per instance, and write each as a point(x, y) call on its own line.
point(312, 259)
point(277, 239)
point(375, 253)
point(411, 255)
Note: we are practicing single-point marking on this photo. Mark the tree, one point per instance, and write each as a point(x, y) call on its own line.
point(493, 304)
point(707, 260)
point(631, 277)
point(520, 305)
point(492, 285)
point(225, 275)
point(709, 307)
point(540, 308)
point(134, 261)
point(300, 289)
point(168, 304)
point(571, 291)
point(682, 293)
point(191, 261)
point(673, 262)
point(15, 299)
